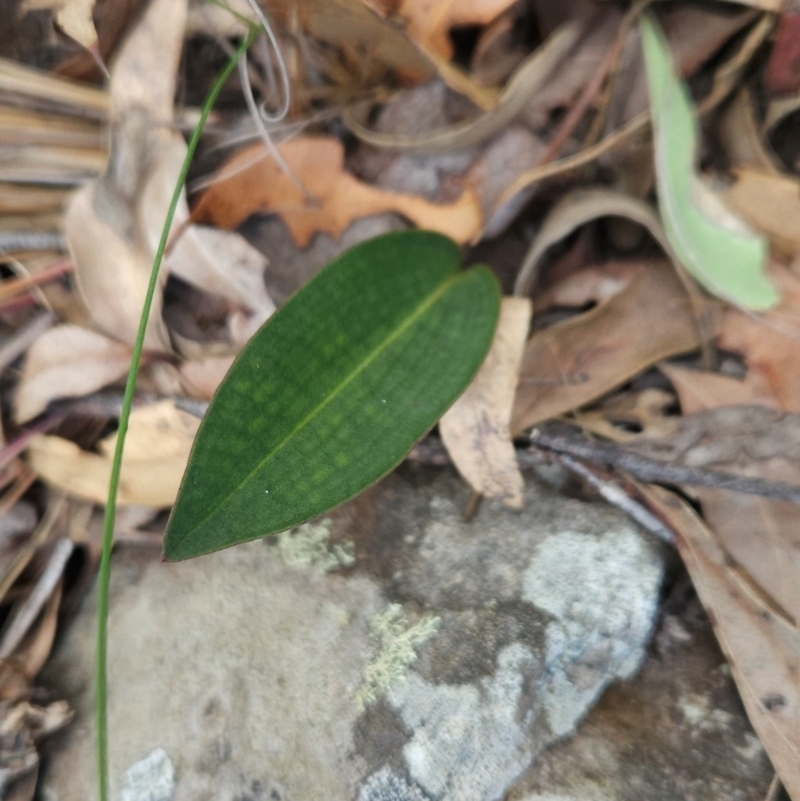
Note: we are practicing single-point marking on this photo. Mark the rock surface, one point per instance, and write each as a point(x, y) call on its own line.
point(389, 652)
point(677, 732)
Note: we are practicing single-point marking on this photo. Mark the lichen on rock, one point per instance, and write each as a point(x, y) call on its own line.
point(398, 641)
point(309, 546)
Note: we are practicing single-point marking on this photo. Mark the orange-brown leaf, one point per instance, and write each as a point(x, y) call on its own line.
point(252, 182)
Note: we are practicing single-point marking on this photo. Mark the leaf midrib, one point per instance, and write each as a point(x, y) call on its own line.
point(382, 346)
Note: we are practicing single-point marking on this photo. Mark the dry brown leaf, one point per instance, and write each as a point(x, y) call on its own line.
point(694, 32)
point(770, 203)
point(780, 76)
point(356, 28)
point(522, 89)
point(252, 182)
point(498, 51)
point(571, 75)
point(741, 135)
point(577, 361)
point(112, 273)
point(223, 263)
point(112, 21)
point(763, 650)
point(755, 442)
point(67, 362)
point(770, 343)
point(145, 71)
point(513, 151)
point(220, 262)
point(112, 261)
point(699, 390)
point(628, 416)
point(156, 452)
point(576, 209)
point(73, 16)
point(429, 21)
point(475, 429)
point(201, 378)
point(31, 653)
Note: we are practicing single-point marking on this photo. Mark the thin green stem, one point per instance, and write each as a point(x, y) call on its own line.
point(104, 574)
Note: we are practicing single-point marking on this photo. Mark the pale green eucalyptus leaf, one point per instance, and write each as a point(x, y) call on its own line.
point(710, 241)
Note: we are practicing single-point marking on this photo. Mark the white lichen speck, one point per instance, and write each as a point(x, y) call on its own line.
point(308, 546)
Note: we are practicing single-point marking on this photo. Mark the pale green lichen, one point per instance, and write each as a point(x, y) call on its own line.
point(398, 641)
point(308, 546)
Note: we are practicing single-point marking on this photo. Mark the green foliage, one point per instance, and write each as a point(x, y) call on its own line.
point(710, 242)
point(334, 390)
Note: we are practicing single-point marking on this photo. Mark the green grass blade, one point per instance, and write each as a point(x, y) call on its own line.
point(334, 390)
point(710, 242)
point(104, 571)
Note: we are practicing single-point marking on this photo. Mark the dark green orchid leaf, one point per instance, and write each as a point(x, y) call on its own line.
point(335, 390)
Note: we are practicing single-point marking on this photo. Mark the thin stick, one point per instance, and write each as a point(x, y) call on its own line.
point(563, 441)
point(575, 115)
point(432, 451)
point(104, 574)
point(617, 496)
point(16, 286)
point(774, 789)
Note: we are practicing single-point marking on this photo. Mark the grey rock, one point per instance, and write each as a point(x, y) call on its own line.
point(390, 652)
point(675, 732)
point(150, 779)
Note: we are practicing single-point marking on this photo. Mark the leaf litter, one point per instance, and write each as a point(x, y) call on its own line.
point(543, 149)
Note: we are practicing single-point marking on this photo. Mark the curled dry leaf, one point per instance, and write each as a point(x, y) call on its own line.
point(523, 86)
point(761, 646)
point(355, 28)
point(223, 263)
point(252, 182)
point(571, 75)
point(220, 262)
point(67, 362)
point(157, 449)
point(111, 272)
point(576, 209)
point(578, 360)
point(112, 263)
point(475, 430)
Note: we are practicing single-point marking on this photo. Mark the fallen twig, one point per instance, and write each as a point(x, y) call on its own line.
point(562, 439)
